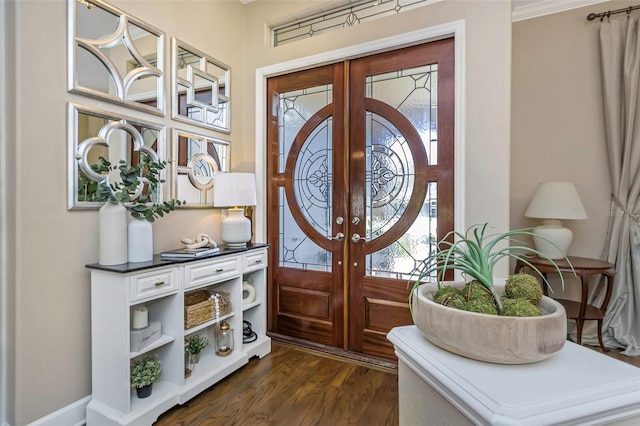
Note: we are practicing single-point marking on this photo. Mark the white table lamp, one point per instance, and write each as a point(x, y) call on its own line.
point(554, 202)
point(235, 191)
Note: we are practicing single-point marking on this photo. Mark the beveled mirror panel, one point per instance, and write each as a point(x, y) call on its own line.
point(201, 88)
point(194, 160)
point(95, 135)
point(115, 57)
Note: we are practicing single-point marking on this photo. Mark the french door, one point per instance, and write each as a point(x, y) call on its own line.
point(359, 190)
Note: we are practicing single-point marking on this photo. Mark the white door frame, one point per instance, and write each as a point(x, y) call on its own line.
point(455, 29)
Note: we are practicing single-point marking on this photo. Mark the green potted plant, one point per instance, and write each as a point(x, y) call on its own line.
point(451, 319)
point(144, 373)
point(137, 189)
point(196, 343)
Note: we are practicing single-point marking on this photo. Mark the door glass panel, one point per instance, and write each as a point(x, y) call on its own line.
point(295, 109)
point(413, 92)
point(296, 249)
point(312, 178)
point(389, 175)
point(400, 259)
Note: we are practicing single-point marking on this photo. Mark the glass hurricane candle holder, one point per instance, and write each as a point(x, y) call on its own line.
point(224, 339)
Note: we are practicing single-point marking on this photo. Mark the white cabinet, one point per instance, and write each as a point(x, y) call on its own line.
point(161, 287)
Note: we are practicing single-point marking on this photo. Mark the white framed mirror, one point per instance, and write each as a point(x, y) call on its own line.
point(115, 57)
point(97, 138)
point(201, 88)
point(194, 160)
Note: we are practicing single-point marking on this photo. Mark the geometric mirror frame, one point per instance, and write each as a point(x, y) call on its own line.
point(115, 57)
point(195, 159)
point(201, 88)
point(97, 138)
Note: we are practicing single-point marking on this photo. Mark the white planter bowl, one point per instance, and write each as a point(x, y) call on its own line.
point(491, 338)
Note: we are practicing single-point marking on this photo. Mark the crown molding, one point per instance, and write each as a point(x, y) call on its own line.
point(547, 7)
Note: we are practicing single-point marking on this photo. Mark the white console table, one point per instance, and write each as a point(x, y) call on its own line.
point(161, 286)
point(577, 386)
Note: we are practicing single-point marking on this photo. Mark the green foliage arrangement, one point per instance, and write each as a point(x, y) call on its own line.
point(476, 254)
point(196, 343)
point(145, 371)
point(137, 188)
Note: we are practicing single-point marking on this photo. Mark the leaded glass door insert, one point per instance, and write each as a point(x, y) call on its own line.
point(360, 197)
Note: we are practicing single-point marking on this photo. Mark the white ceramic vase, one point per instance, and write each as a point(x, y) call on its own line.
point(112, 234)
point(140, 238)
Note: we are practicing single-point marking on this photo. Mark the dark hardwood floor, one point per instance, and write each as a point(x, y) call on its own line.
point(294, 386)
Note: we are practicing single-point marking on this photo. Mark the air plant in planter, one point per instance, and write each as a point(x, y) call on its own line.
point(478, 319)
point(137, 189)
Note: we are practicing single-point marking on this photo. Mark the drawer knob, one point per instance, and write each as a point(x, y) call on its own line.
point(220, 270)
point(259, 261)
point(158, 283)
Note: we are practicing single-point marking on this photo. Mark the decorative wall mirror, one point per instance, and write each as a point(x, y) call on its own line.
point(94, 134)
point(201, 88)
point(115, 57)
point(196, 159)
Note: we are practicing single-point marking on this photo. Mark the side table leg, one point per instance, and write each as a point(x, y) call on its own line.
point(579, 323)
point(600, 336)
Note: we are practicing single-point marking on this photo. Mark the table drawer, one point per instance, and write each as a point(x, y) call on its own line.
point(254, 261)
point(211, 272)
point(153, 284)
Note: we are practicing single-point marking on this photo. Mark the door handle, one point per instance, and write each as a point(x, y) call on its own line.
point(339, 237)
point(356, 237)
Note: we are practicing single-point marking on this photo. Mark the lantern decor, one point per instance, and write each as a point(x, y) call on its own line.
point(224, 339)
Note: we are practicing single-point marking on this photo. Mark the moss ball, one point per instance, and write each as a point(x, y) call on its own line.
point(445, 292)
point(481, 306)
point(519, 308)
point(474, 290)
point(523, 286)
point(449, 296)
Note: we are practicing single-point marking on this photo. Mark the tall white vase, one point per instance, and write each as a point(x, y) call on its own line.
point(140, 238)
point(112, 234)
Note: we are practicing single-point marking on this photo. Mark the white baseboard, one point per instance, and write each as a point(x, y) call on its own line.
point(72, 415)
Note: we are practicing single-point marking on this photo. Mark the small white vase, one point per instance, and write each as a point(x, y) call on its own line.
point(140, 238)
point(112, 234)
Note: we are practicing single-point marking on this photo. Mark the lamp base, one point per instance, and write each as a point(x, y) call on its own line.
point(236, 229)
point(552, 239)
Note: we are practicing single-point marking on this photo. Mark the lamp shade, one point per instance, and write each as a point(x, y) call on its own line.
point(556, 200)
point(234, 189)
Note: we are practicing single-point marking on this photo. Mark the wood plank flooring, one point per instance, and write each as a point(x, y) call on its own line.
point(295, 387)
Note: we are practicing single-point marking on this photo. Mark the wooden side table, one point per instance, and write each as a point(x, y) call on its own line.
point(585, 268)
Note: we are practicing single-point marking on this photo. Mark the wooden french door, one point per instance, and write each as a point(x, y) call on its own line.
point(360, 188)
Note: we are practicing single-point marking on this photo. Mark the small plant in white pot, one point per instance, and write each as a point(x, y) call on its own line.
point(144, 373)
point(196, 343)
point(477, 319)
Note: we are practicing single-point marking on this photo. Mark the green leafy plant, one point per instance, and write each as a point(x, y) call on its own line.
point(476, 254)
point(145, 371)
point(196, 343)
point(137, 188)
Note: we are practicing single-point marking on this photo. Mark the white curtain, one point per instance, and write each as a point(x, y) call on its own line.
point(620, 60)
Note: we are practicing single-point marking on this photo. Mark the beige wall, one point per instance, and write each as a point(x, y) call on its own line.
point(557, 119)
point(52, 245)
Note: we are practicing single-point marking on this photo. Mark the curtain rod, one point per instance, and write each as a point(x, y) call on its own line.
point(608, 13)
